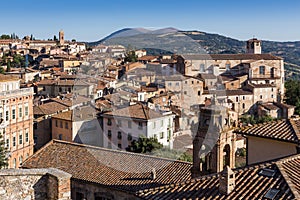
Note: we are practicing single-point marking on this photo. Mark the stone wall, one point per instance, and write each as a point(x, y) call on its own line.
point(37, 184)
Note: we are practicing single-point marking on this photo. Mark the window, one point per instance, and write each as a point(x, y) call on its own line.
point(14, 163)
point(199, 93)
point(109, 133)
point(120, 146)
point(60, 137)
point(20, 112)
point(243, 97)
point(236, 99)
point(20, 160)
point(129, 137)
point(192, 82)
point(129, 124)
point(272, 96)
point(140, 125)
point(7, 143)
point(119, 123)
point(44, 88)
point(185, 92)
point(20, 138)
point(262, 70)
point(227, 66)
point(162, 123)
point(109, 122)
point(243, 105)
point(261, 96)
point(201, 67)
point(13, 113)
point(177, 83)
point(119, 135)
point(14, 141)
point(161, 135)
point(26, 136)
point(60, 89)
point(7, 116)
point(154, 125)
point(56, 123)
point(169, 84)
point(61, 124)
point(26, 111)
point(66, 125)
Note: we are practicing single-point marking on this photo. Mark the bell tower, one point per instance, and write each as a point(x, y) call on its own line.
point(214, 141)
point(254, 46)
point(61, 37)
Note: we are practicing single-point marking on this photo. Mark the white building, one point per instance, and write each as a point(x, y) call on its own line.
point(123, 125)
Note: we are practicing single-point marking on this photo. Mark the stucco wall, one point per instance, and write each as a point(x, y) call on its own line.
point(260, 149)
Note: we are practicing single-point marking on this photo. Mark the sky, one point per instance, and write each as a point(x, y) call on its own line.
point(91, 20)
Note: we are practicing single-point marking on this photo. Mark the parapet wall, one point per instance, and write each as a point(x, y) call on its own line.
point(37, 184)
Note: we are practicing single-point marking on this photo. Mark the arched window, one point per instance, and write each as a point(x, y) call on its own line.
point(262, 70)
point(226, 155)
point(20, 160)
point(14, 163)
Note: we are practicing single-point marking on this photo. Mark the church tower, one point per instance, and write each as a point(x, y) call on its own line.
point(214, 141)
point(61, 37)
point(254, 46)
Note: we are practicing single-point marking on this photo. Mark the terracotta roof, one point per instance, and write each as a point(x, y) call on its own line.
point(283, 130)
point(249, 184)
point(269, 106)
point(78, 114)
point(231, 57)
point(262, 85)
point(5, 78)
point(147, 58)
point(228, 92)
point(112, 168)
point(49, 108)
point(137, 111)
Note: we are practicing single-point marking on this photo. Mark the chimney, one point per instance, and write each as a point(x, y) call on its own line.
point(153, 174)
point(226, 181)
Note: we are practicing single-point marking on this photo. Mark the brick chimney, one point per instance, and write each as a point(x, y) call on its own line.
point(226, 181)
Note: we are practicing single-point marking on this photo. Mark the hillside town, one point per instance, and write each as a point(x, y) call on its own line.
point(71, 116)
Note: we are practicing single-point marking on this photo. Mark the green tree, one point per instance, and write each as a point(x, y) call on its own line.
point(144, 145)
point(292, 94)
point(3, 151)
point(4, 37)
point(2, 71)
point(8, 68)
point(130, 57)
point(55, 38)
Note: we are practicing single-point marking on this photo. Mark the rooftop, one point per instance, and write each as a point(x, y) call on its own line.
point(283, 130)
point(112, 168)
point(231, 57)
point(250, 184)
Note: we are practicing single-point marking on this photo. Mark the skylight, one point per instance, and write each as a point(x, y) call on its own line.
point(271, 194)
point(267, 172)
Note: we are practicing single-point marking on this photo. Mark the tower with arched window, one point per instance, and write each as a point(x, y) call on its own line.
point(254, 46)
point(214, 141)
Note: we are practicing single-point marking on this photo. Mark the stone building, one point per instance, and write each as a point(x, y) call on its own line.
point(214, 141)
point(37, 184)
point(17, 119)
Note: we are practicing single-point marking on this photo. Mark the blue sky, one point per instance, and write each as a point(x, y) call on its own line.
point(91, 20)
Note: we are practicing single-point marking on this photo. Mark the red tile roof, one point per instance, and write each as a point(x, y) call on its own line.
point(112, 168)
point(137, 111)
point(249, 184)
point(283, 130)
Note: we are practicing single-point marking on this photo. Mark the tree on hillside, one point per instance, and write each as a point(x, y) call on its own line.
point(4, 37)
point(130, 57)
point(2, 71)
point(292, 94)
point(144, 145)
point(8, 68)
point(3, 158)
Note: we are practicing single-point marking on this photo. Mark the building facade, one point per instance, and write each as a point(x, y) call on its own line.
point(16, 111)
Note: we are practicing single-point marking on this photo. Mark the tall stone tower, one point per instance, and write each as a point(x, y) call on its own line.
point(254, 46)
point(214, 141)
point(61, 37)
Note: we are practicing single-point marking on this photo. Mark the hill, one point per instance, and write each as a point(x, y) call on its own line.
point(182, 42)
